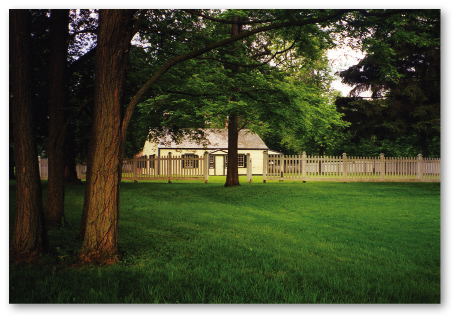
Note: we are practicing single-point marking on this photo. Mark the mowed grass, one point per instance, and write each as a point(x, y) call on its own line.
point(279, 242)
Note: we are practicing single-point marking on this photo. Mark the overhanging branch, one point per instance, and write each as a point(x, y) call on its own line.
point(246, 22)
point(178, 59)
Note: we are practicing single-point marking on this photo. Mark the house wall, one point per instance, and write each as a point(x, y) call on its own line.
point(255, 154)
point(151, 148)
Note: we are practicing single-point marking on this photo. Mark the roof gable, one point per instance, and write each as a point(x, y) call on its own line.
point(216, 139)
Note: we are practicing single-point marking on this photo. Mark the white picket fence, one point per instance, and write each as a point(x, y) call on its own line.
point(350, 169)
point(187, 167)
point(280, 167)
point(164, 167)
point(167, 167)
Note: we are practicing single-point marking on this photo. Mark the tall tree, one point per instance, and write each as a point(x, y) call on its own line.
point(106, 152)
point(232, 174)
point(29, 236)
point(54, 204)
point(402, 71)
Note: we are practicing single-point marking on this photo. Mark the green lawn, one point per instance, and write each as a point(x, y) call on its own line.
point(279, 242)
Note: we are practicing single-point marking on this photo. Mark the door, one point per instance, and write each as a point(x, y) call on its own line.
point(219, 161)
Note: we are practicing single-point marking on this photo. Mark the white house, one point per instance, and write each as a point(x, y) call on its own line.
point(216, 144)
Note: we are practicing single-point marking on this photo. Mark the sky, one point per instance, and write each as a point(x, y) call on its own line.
point(341, 59)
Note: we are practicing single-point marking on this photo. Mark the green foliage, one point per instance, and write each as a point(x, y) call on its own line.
point(280, 242)
point(237, 79)
point(402, 70)
point(373, 146)
point(83, 25)
point(201, 92)
point(40, 75)
point(286, 104)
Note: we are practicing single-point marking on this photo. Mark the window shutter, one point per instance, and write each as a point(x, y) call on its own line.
point(211, 161)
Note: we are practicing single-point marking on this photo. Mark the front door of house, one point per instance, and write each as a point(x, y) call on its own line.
point(219, 161)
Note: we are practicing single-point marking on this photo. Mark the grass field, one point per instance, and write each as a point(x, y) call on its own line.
point(279, 242)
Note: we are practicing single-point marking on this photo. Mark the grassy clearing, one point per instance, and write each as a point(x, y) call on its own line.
point(279, 242)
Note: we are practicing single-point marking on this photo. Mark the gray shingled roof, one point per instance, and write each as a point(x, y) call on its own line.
point(217, 139)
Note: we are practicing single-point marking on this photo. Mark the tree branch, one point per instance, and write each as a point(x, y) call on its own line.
point(178, 59)
point(137, 24)
point(247, 22)
point(74, 34)
point(253, 98)
point(235, 64)
point(187, 93)
point(387, 13)
point(254, 65)
point(91, 54)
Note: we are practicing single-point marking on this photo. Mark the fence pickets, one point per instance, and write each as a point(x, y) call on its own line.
point(167, 168)
point(283, 167)
point(350, 168)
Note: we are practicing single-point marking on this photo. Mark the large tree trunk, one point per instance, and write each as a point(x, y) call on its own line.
point(101, 203)
point(232, 173)
point(54, 205)
point(29, 235)
point(11, 162)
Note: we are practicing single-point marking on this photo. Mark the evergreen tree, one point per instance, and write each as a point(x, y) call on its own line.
point(402, 71)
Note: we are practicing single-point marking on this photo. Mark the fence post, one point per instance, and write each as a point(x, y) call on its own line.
point(304, 166)
point(282, 165)
point(249, 168)
point(206, 166)
point(43, 166)
point(344, 165)
point(134, 165)
point(382, 166)
point(420, 167)
point(170, 168)
point(265, 165)
point(39, 166)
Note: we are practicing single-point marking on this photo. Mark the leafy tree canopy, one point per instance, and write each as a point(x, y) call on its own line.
point(276, 83)
point(402, 71)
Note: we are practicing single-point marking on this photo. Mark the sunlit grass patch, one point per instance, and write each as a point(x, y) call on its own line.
point(279, 242)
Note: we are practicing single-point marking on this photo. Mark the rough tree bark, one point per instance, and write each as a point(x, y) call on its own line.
point(101, 203)
point(29, 235)
point(11, 160)
point(54, 204)
point(232, 173)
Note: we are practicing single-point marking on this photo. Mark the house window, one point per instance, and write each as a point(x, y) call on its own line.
point(190, 161)
point(211, 161)
point(242, 160)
